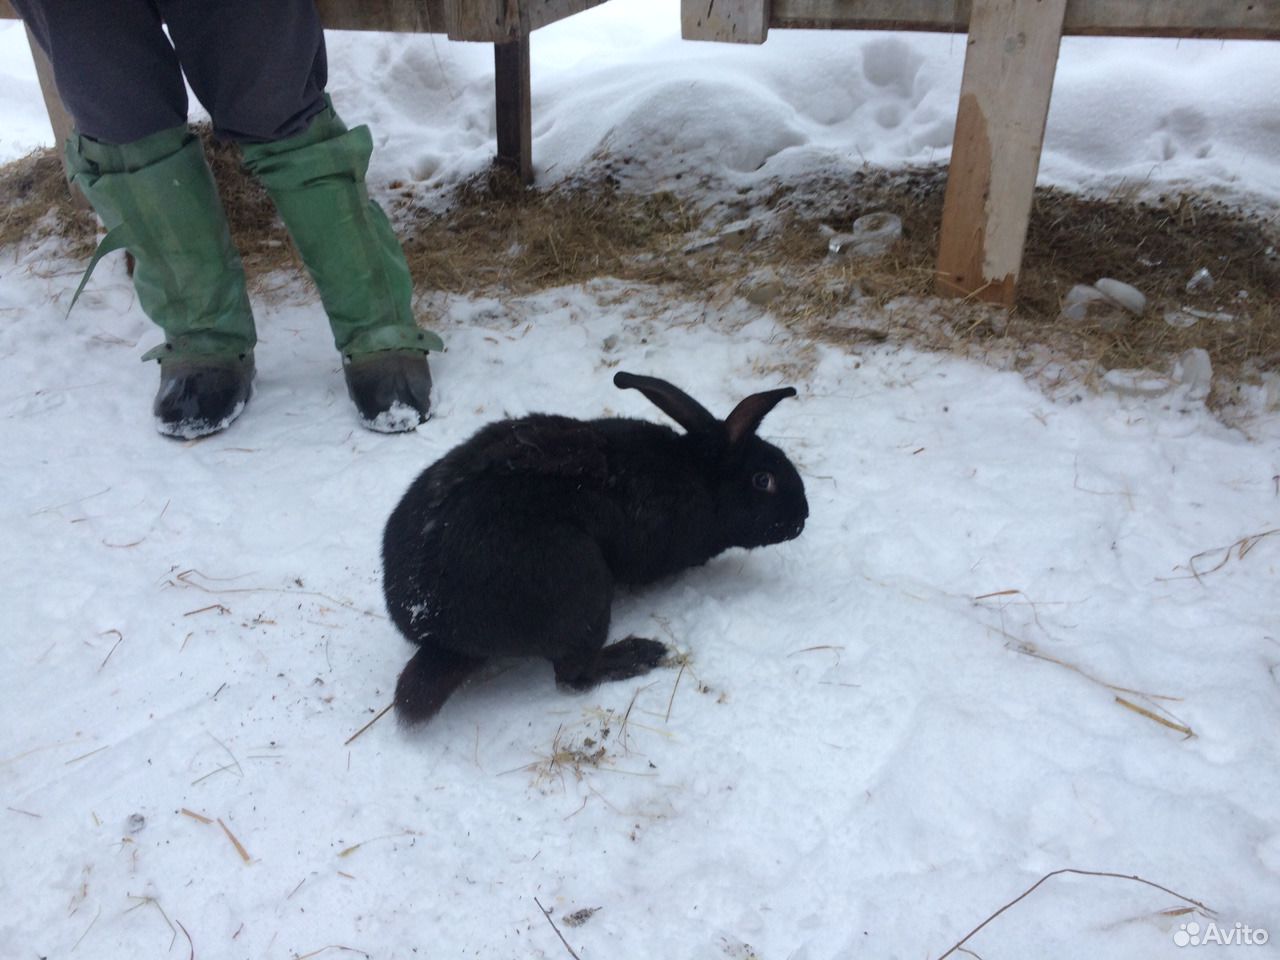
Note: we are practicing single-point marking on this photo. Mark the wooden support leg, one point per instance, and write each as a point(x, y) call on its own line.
point(515, 111)
point(1004, 101)
point(729, 21)
point(59, 119)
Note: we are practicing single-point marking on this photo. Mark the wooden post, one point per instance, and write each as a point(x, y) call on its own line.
point(514, 106)
point(494, 21)
point(505, 24)
point(1004, 102)
point(1220, 19)
point(59, 119)
point(732, 21)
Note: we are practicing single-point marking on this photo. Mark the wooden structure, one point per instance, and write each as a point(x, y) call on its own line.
point(1010, 59)
point(506, 24)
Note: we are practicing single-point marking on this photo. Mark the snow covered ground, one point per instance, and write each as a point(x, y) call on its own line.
point(978, 664)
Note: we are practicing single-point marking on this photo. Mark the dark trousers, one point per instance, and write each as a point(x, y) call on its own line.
point(258, 67)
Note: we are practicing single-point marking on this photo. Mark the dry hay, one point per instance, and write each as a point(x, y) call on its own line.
point(1155, 244)
point(494, 234)
point(256, 228)
point(491, 235)
point(35, 203)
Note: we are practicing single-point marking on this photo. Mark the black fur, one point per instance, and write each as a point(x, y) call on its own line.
point(511, 543)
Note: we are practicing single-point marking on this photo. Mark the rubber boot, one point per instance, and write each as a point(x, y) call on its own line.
point(317, 181)
point(157, 199)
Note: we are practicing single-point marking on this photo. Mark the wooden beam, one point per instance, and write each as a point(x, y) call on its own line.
point(489, 21)
point(391, 16)
point(514, 107)
point(543, 12)
point(1004, 101)
point(731, 21)
point(1216, 19)
point(411, 16)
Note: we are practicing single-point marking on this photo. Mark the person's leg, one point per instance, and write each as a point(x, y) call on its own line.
point(114, 68)
point(317, 181)
point(158, 200)
point(146, 176)
point(260, 70)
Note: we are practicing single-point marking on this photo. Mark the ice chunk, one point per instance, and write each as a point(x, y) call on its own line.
point(1194, 371)
point(1086, 303)
point(1137, 383)
point(1075, 306)
point(1202, 279)
point(1122, 294)
point(872, 236)
point(1180, 319)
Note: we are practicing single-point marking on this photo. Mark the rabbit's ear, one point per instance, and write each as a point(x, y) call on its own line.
point(672, 401)
point(746, 416)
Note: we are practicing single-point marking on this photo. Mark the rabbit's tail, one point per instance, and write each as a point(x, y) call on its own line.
point(427, 680)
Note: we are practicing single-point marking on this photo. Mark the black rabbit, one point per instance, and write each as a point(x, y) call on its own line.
point(511, 543)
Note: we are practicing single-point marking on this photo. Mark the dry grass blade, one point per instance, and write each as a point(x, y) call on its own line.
point(86, 930)
point(574, 758)
point(144, 901)
point(1241, 548)
point(119, 640)
point(821, 646)
point(332, 946)
point(191, 578)
point(194, 816)
point(380, 714)
point(1031, 650)
point(213, 606)
point(621, 735)
point(347, 851)
point(1057, 873)
point(672, 699)
point(1172, 725)
point(85, 756)
point(190, 942)
point(547, 913)
point(244, 854)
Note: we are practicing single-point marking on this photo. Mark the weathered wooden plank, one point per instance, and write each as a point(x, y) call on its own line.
point(514, 107)
point(1218, 19)
point(59, 119)
point(543, 12)
point(490, 21)
point(1004, 101)
point(732, 21)
point(391, 16)
point(417, 16)
point(1215, 19)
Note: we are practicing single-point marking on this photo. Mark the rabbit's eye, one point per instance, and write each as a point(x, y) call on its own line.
point(764, 482)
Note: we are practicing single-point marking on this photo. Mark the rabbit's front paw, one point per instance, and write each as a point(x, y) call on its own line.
point(632, 657)
point(619, 661)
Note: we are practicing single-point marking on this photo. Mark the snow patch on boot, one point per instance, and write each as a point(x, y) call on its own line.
point(199, 427)
point(398, 418)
